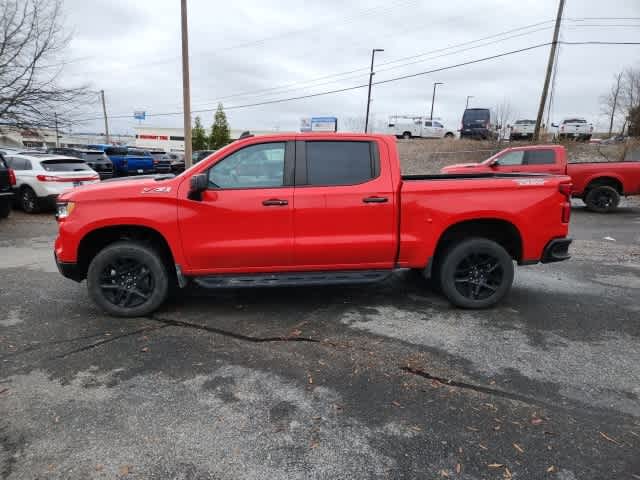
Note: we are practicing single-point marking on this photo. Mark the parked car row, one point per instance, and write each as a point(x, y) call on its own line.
point(33, 179)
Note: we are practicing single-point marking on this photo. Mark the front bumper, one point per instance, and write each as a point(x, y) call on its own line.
point(556, 250)
point(69, 270)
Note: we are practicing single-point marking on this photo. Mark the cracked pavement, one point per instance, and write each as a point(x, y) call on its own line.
point(377, 381)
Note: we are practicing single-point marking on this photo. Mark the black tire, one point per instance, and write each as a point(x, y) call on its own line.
point(602, 199)
point(449, 135)
point(476, 273)
point(29, 200)
point(128, 279)
point(406, 135)
point(5, 208)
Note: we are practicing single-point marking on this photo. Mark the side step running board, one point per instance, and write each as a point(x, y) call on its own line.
point(292, 279)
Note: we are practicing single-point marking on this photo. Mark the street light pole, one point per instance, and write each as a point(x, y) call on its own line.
point(433, 97)
point(371, 74)
point(467, 105)
point(186, 94)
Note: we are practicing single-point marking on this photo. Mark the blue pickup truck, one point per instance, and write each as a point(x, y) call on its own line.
point(127, 160)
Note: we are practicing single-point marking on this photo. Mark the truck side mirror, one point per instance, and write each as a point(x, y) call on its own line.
point(199, 184)
point(494, 164)
point(555, 125)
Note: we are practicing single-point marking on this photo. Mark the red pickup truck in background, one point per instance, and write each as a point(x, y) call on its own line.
point(307, 209)
point(598, 184)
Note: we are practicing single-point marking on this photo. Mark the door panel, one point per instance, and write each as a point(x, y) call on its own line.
point(232, 230)
point(244, 221)
point(344, 226)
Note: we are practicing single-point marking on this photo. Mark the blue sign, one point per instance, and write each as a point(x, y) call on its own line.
point(324, 124)
point(139, 114)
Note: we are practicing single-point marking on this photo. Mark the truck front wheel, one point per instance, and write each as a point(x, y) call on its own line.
point(128, 279)
point(476, 273)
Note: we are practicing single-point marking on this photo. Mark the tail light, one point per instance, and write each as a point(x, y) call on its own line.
point(565, 189)
point(54, 178)
point(12, 177)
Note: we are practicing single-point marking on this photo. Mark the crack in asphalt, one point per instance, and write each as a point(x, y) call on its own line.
point(237, 336)
point(108, 340)
point(481, 389)
point(39, 345)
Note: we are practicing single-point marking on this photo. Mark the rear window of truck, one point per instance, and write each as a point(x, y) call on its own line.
point(64, 165)
point(540, 157)
point(340, 163)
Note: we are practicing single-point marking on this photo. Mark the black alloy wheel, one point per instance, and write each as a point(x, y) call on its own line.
point(478, 276)
point(475, 273)
point(126, 282)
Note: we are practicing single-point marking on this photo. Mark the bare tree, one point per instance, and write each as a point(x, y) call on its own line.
point(630, 93)
point(611, 101)
point(504, 116)
point(32, 42)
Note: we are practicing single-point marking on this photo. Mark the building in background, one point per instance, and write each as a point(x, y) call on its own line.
point(172, 139)
point(45, 137)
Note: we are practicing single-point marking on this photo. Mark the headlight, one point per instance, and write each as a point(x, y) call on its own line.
point(64, 209)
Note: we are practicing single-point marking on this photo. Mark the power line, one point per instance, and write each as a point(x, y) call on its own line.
point(340, 90)
point(429, 54)
point(380, 82)
point(358, 15)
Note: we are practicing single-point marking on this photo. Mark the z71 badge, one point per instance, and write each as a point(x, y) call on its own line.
point(530, 181)
point(156, 189)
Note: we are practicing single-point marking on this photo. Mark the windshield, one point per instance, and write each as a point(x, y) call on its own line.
point(64, 165)
point(474, 115)
point(526, 122)
point(574, 120)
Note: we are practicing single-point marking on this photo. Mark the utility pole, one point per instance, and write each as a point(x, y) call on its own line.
point(433, 97)
point(55, 116)
point(106, 122)
point(467, 104)
point(371, 74)
point(552, 56)
point(186, 94)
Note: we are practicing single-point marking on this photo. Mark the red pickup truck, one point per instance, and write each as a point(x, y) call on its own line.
point(598, 184)
point(307, 209)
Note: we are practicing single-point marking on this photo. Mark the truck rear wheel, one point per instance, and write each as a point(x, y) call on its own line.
point(602, 199)
point(476, 273)
point(128, 279)
point(406, 135)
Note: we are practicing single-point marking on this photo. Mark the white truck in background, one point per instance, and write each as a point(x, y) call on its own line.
point(522, 129)
point(418, 127)
point(575, 128)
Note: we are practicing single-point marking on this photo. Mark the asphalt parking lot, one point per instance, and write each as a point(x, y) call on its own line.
point(383, 381)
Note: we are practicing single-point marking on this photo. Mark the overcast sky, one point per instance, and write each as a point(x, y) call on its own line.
point(241, 51)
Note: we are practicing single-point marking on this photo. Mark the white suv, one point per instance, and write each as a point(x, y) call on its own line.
point(41, 177)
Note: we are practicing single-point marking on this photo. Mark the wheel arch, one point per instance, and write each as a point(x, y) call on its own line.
point(610, 180)
point(99, 238)
point(501, 231)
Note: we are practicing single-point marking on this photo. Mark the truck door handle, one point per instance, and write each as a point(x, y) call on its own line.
point(375, 200)
point(274, 202)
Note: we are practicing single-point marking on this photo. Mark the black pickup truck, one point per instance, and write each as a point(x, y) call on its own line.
point(7, 180)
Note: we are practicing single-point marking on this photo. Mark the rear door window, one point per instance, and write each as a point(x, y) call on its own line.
point(539, 157)
point(340, 163)
point(64, 165)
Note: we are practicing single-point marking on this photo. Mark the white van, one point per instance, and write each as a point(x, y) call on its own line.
point(419, 127)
